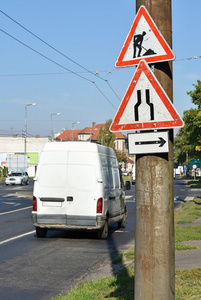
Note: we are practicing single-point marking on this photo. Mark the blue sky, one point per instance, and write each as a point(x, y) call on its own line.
point(91, 33)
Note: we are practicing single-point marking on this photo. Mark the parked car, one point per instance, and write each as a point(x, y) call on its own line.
point(17, 178)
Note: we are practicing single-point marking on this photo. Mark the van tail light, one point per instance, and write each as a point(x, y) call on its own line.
point(99, 207)
point(34, 203)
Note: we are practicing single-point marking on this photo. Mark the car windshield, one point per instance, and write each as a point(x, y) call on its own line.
point(15, 174)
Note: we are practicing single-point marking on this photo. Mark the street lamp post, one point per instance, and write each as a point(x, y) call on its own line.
point(25, 131)
point(51, 131)
point(73, 128)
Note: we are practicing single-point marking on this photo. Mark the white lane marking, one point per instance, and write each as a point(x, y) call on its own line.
point(13, 211)
point(17, 237)
point(12, 203)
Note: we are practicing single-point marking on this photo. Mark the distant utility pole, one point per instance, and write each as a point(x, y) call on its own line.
point(154, 221)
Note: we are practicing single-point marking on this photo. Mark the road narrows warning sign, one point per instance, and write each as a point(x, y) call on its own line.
point(145, 105)
point(144, 41)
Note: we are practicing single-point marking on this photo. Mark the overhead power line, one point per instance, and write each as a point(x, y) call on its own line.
point(56, 64)
point(67, 57)
point(189, 58)
point(50, 45)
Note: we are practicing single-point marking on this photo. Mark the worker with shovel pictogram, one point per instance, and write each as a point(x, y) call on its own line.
point(137, 43)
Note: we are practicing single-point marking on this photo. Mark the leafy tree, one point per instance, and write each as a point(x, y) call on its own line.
point(196, 94)
point(121, 156)
point(188, 139)
point(105, 137)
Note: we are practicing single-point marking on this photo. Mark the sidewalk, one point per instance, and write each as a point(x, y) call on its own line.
point(189, 259)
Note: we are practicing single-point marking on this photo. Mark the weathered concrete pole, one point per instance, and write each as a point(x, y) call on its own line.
point(154, 225)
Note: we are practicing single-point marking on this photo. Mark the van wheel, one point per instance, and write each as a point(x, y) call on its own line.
point(103, 233)
point(41, 232)
point(122, 223)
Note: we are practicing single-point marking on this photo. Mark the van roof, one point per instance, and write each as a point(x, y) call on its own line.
point(78, 146)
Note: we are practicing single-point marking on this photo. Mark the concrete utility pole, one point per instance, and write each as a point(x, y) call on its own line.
point(154, 223)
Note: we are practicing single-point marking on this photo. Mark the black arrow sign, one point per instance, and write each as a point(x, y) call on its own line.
point(161, 141)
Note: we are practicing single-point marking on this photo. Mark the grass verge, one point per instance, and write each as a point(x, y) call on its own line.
point(2, 179)
point(121, 286)
point(195, 183)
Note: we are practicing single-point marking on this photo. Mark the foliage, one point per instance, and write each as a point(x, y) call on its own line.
point(196, 94)
point(121, 156)
point(189, 212)
point(105, 137)
point(188, 284)
point(195, 183)
point(185, 247)
point(188, 139)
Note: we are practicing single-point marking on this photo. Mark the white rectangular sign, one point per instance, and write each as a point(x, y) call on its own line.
point(151, 142)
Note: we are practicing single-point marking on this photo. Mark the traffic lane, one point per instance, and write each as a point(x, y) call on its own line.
point(36, 268)
point(11, 202)
point(15, 223)
point(15, 197)
point(17, 188)
point(182, 190)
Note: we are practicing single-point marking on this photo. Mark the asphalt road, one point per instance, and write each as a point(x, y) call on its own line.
point(33, 268)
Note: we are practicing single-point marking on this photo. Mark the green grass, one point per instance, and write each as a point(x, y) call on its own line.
point(195, 183)
point(2, 179)
point(118, 287)
point(189, 212)
point(125, 257)
point(121, 287)
point(187, 233)
point(188, 284)
point(184, 247)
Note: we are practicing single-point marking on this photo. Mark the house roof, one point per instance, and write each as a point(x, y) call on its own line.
point(67, 135)
point(91, 131)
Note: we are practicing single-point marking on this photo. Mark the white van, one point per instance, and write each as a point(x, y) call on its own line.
point(78, 187)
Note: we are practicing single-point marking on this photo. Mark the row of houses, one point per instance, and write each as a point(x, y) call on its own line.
point(34, 145)
point(91, 134)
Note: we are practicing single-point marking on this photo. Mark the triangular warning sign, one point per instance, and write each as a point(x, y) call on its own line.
point(145, 105)
point(144, 41)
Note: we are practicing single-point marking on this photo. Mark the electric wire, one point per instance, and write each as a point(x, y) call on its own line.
point(50, 45)
point(104, 95)
point(67, 57)
point(189, 58)
point(49, 59)
point(44, 56)
point(113, 90)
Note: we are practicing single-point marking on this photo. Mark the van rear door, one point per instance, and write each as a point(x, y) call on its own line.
point(81, 194)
